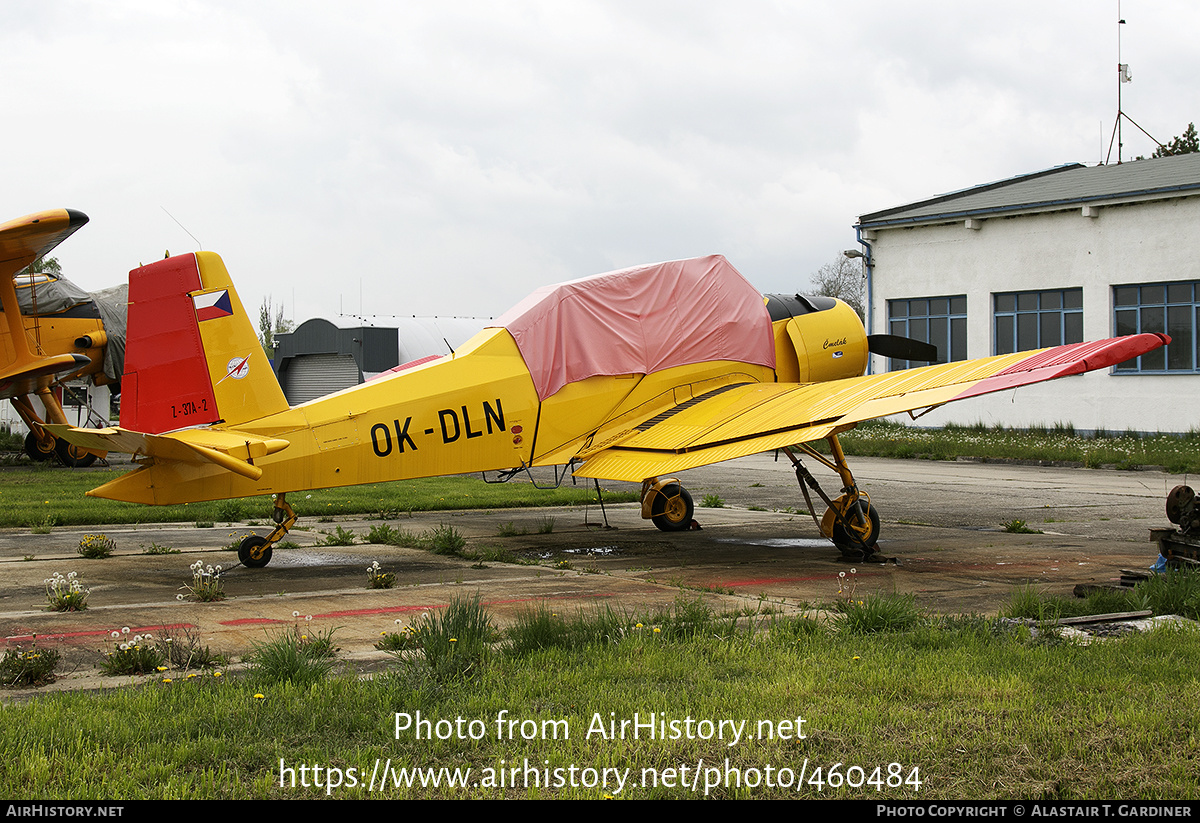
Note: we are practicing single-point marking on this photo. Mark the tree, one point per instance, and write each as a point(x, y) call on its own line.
point(1186, 143)
point(270, 324)
point(843, 279)
point(44, 265)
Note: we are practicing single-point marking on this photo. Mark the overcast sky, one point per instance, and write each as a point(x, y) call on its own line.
point(447, 158)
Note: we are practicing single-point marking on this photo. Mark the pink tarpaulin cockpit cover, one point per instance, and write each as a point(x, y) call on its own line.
point(640, 320)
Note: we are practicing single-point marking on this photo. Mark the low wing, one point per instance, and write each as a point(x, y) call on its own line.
point(748, 418)
point(22, 241)
point(232, 450)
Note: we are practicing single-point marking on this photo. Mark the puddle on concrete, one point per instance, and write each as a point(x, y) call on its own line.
point(307, 557)
point(782, 542)
point(600, 550)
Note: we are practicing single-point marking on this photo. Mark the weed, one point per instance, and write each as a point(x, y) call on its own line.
point(881, 613)
point(379, 579)
point(236, 542)
point(509, 530)
point(204, 524)
point(229, 511)
point(206, 585)
point(1175, 592)
point(545, 525)
point(181, 649)
point(540, 628)
point(446, 540)
point(385, 535)
point(293, 657)
point(27, 557)
point(566, 565)
point(456, 641)
point(1019, 527)
point(66, 594)
point(133, 656)
point(712, 501)
point(403, 639)
point(156, 548)
point(757, 508)
point(340, 537)
point(287, 544)
point(847, 586)
point(20, 668)
point(44, 524)
point(96, 546)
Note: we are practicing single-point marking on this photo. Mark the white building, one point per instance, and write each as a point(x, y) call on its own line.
point(1064, 255)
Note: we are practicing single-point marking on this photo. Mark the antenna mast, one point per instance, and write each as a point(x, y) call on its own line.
point(1123, 77)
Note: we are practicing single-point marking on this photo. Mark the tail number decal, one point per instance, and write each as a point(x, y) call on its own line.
point(453, 424)
point(187, 408)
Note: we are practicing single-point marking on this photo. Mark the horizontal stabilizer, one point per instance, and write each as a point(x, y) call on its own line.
point(231, 450)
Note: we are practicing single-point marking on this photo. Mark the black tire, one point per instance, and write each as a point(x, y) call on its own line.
point(38, 451)
point(858, 538)
point(250, 547)
point(672, 509)
point(73, 456)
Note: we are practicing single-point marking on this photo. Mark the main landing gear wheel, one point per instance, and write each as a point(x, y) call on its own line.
point(850, 532)
point(254, 552)
point(73, 456)
point(672, 509)
point(38, 451)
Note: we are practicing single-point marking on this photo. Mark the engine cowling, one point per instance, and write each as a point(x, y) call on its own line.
point(816, 339)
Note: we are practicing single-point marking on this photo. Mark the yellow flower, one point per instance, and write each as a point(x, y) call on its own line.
point(216, 674)
point(260, 696)
point(166, 680)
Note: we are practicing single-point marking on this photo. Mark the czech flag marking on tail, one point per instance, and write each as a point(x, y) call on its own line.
point(212, 305)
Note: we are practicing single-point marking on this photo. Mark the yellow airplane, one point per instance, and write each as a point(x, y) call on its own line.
point(631, 375)
point(60, 335)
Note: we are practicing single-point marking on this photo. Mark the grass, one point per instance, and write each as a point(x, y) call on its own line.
point(881, 438)
point(1175, 592)
point(35, 495)
point(969, 710)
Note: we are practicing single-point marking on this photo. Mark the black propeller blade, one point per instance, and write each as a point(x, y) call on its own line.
point(901, 348)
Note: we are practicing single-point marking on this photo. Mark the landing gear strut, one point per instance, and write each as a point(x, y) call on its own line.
point(851, 521)
point(255, 552)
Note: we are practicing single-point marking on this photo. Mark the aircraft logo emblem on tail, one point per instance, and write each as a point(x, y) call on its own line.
point(212, 305)
point(237, 368)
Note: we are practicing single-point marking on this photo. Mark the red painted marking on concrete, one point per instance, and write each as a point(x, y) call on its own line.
point(22, 638)
point(251, 621)
point(762, 581)
point(400, 609)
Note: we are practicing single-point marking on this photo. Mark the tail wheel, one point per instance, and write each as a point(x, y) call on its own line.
point(672, 508)
point(39, 451)
point(854, 533)
point(73, 456)
point(254, 552)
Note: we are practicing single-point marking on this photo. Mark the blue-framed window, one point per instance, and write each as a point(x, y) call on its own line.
point(1159, 307)
point(1037, 319)
point(941, 321)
